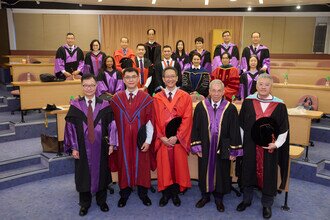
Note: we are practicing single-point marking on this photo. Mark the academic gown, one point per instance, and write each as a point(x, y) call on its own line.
point(216, 136)
point(230, 78)
point(146, 72)
point(159, 67)
point(93, 63)
point(196, 80)
point(134, 166)
point(153, 52)
point(183, 60)
point(205, 60)
point(259, 167)
point(91, 170)
point(232, 49)
point(68, 61)
point(172, 162)
point(263, 56)
point(119, 54)
point(248, 83)
point(110, 82)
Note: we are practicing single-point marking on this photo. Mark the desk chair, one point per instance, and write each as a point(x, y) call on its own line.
point(275, 79)
point(321, 82)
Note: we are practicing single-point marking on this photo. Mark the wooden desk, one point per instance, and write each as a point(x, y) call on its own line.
point(36, 95)
point(41, 58)
point(35, 69)
point(291, 94)
point(299, 62)
point(300, 75)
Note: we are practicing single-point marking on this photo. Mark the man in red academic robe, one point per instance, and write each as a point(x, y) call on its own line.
point(172, 151)
point(132, 110)
point(228, 75)
point(123, 52)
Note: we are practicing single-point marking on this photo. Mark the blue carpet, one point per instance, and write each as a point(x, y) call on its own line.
point(56, 198)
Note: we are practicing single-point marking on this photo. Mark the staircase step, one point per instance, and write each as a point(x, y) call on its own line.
point(9, 174)
point(19, 162)
point(4, 126)
point(327, 165)
point(324, 172)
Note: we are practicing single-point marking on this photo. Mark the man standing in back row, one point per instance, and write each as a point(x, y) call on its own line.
point(153, 49)
point(260, 51)
point(69, 59)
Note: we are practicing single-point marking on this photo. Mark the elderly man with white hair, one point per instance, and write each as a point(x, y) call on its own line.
point(216, 140)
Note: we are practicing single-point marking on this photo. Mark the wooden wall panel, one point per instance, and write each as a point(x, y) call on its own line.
point(29, 31)
point(55, 29)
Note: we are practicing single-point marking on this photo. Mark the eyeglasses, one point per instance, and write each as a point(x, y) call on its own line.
point(89, 86)
point(170, 77)
point(130, 77)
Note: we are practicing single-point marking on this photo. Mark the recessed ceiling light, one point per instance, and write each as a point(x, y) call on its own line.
point(298, 7)
point(206, 2)
point(249, 8)
point(99, 0)
point(233, 0)
point(153, 2)
point(261, 2)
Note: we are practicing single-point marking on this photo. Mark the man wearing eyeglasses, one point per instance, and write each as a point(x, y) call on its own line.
point(133, 110)
point(88, 121)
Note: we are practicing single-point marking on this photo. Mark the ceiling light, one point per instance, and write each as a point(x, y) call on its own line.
point(298, 7)
point(99, 0)
point(261, 2)
point(233, 0)
point(38, 2)
point(249, 8)
point(153, 2)
point(206, 2)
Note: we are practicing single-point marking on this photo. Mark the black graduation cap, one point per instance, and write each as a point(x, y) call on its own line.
point(264, 130)
point(141, 136)
point(126, 62)
point(51, 107)
point(173, 126)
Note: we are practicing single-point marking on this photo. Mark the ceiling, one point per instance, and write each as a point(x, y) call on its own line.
point(193, 3)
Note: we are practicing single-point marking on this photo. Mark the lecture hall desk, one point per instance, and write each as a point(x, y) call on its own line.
point(291, 93)
point(36, 94)
point(35, 69)
point(41, 58)
point(300, 75)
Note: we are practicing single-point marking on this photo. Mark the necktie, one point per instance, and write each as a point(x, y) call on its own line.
point(255, 49)
point(170, 96)
point(90, 123)
point(215, 108)
point(168, 63)
point(130, 98)
point(141, 72)
point(124, 51)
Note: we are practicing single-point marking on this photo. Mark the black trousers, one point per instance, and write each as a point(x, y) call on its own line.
point(126, 192)
point(85, 198)
point(266, 200)
point(171, 191)
point(217, 196)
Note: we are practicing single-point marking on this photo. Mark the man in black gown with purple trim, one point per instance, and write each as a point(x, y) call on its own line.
point(88, 121)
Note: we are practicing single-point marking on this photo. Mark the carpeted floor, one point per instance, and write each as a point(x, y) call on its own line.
point(56, 198)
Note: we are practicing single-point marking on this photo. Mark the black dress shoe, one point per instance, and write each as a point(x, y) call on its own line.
point(83, 211)
point(242, 206)
point(201, 203)
point(122, 202)
point(220, 206)
point(176, 200)
point(146, 201)
point(163, 201)
point(104, 207)
point(267, 212)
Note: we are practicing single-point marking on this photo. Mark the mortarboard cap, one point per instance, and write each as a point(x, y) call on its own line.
point(173, 126)
point(141, 136)
point(264, 131)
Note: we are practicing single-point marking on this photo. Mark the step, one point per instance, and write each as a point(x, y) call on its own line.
point(19, 162)
point(327, 165)
point(324, 172)
point(9, 174)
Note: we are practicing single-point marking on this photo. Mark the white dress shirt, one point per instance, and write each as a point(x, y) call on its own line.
point(93, 102)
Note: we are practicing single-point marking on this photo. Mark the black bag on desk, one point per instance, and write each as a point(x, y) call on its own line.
point(50, 144)
point(47, 77)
